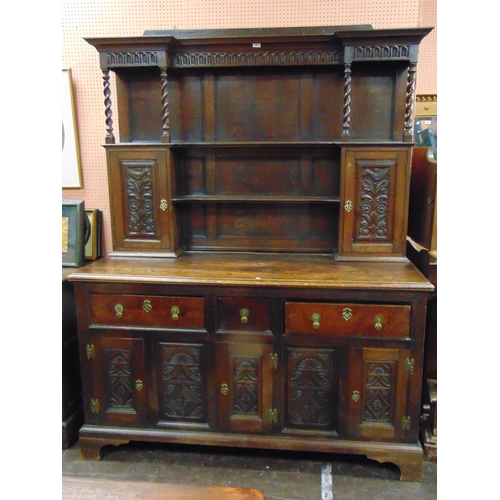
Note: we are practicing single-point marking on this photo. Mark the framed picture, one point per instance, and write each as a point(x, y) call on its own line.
point(91, 248)
point(73, 229)
point(71, 168)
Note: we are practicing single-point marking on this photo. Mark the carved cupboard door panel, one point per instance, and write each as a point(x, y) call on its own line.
point(378, 390)
point(140, 197)
point(120, 392)
point(182, 383)
point(311, 402)
point(245, 385)
point(374, 202)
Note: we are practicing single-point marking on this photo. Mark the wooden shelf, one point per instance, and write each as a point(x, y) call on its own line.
point(255, 199)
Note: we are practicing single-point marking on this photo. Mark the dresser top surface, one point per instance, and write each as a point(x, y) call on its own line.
point(268, 270)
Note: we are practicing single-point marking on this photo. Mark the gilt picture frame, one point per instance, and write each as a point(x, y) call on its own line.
point(91, 244)
point(71, 166)
point(73, 237)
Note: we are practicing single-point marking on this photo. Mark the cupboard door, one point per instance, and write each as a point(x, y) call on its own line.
point(120, 391)
point(378, 388)
point(141, 205)
point(311, 390)
point(245, 385)
point(374, 202)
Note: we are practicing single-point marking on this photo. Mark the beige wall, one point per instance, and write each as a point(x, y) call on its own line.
point(87, 18)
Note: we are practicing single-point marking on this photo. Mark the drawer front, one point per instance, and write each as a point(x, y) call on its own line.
point(148, 311)
point(365, 320)
point(244, 314)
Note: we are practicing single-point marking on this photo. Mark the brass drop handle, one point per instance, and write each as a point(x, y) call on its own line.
point(119, 310)
point(378, 321)
point(146, 306)
point(175, 312)
point(244, 315)
point(316, 318)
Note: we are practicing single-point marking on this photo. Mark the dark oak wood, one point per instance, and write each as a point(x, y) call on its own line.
point(258, 293)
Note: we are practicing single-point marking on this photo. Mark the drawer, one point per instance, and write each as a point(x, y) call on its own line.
point(148, 311)
point(365, 320)
point(244, 314)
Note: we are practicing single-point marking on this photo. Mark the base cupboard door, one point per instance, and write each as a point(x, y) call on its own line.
point(245, 387)
point(119, 390)
point(378, 389)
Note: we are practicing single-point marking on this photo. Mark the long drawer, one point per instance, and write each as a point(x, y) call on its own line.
point(365, 320)
point(148, 311)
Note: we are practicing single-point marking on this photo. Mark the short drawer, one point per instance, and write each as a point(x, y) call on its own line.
point(244, 314)
point(365, 320)
point(148, 311)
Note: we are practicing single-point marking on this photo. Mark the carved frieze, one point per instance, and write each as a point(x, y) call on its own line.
point(246, 390)
point(258, 58)
point(138, 58)
point(379, 385)
point(381, 52)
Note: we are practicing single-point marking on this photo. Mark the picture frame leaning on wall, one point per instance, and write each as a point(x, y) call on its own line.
point(73, 233)
point(71, 166)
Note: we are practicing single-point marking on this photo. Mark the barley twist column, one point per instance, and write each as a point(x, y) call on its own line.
point(410, 100)
point(164, 101)
point(110, 138)
point(347, 100)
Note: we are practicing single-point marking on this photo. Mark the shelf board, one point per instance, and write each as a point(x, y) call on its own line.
point(255, 199)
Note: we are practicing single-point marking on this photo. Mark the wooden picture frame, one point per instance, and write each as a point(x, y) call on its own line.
point(71, 167)
point(73, 224)
point(91, 248)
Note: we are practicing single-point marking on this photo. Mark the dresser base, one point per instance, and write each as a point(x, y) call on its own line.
point(408, 457)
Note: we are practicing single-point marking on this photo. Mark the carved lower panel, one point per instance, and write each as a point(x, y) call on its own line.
point(379, 388)
point(311, 398)
point(139, 191)
point(119, 380)
point(245, 385)
point(182, 383)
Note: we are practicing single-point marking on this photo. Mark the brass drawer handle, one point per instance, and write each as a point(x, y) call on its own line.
point(224, 389)
point(175, 312)
point(378, 321)
point(147, 306)
point(347, 313)
point(244, 315)
point(316, 318)
point(119, 310)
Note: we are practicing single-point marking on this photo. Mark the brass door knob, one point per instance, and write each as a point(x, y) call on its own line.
point(316, 318)
point(175, 312)
point(244, 315)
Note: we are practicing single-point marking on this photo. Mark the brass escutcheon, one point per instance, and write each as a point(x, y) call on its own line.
point(244, 315)
point(175, 312)
point(119, 310)
point(147, 306)
point(347, 313)
point(138, 385)
point(355, 396)
point(348, 206)
point(163, 205)
point(224, 389)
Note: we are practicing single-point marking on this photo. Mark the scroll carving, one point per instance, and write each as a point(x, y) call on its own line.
point(258, 58)
point(182, 382)
point(140, 200)
point(374, 203)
